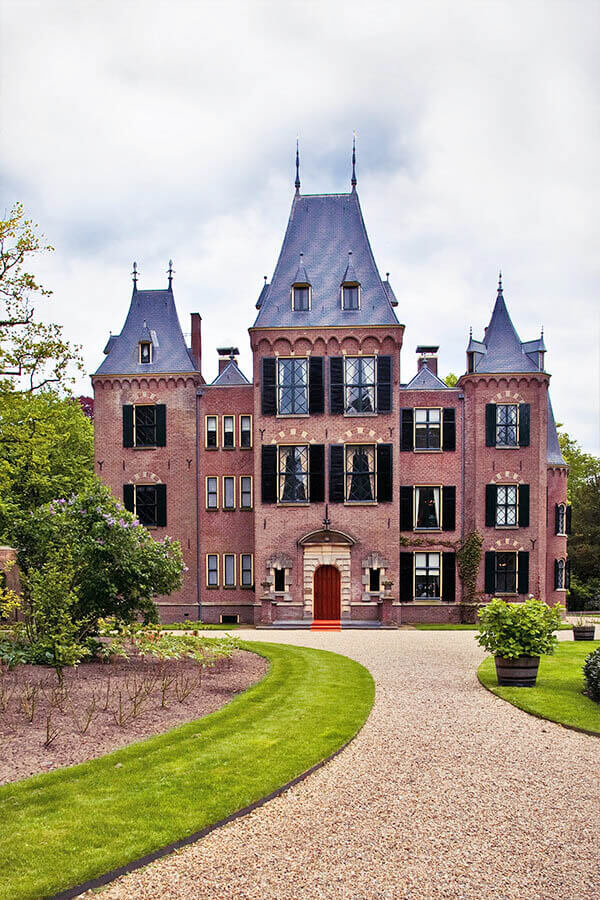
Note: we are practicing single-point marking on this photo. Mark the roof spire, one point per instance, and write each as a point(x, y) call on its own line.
point(353, 179)
point(134, 275)
point(170, 273)
point(297, 183)
point(500, 281)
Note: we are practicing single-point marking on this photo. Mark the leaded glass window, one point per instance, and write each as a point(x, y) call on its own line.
point(562, 519)
point(145, 426)
point(145, 503)
point(507, 418)
point(427, 429)
point(506, 573)
point(427, 576)
point(292, 387)
point(360, 473)
point(427, 507)
point(506, 504)
point(293, 474)
point(560, 574)
point(359, 387)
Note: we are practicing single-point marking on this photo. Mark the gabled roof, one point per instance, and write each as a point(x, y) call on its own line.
point(231, 375)
point(152, 316)
point(324, 227)
point(501, 349)
point(554, 455)
point(425, 380)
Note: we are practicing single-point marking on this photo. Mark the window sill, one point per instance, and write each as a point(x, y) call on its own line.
point(212, 587)
point(428, 530)
point(288, 505)
point(212, 509)
point(507, 527)
point(359, 415)
point(246, 508)
point(293, 415)
point(428, 450)
point(360, 503)
point(229, 587)
point(561, 590)
point(506, 447)
point(228, 509)
point(227, 448)
point(245, 448)
point(211, 449)
point(146, 447)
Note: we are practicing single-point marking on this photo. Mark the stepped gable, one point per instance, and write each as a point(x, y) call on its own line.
point(554, 455)
point(502, 349)
point(324, 228)
point(152, 317)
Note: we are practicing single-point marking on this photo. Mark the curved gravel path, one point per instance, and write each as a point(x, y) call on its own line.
point(447, 792)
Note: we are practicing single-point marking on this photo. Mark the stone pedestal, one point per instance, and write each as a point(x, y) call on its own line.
point(385, 611)
point(266, 611)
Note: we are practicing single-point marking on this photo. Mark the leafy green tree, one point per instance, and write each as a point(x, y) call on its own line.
point(451, 379)
point(46, 451)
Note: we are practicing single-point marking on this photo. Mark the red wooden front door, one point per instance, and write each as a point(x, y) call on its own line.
point(327, 593)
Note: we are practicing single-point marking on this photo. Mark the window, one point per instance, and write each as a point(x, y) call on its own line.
point(228, 570)
point(228, 492)
point(228, 432)
point(292, 380)
point(507, 421)
point(145, 352)
point(301, 297)
point(427, 508)
point(212, 570)
point(428, 433)
point(144, 426)
point(212, 492)
point(360, 473)
point(245, 491)
point(374, 580)
point(245, 432)
point(246, 570)
point(212, 438)
point(359, 384)
point(279, 585)
point(506, 573)
point(350, 296)
point(561, 519)
point(506, 505)
point(560, 574)
point(146, 504)
point(293, 474)
point(427, 576)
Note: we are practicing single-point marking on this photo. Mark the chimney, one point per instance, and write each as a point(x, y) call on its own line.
point(226, 354)
point(427, 356)
point(197, 339)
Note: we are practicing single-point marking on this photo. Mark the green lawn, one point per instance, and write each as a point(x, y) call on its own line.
point(558, 693)
point(63, 827)
point(464, 628)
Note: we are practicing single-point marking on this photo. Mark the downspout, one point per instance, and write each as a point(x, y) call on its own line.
point(199, 393)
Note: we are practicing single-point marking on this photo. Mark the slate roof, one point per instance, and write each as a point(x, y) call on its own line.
point(324, 228)
point(231, 375)
point(152, 316)
point(553, 452)
point(501, 349)
point(425, 380)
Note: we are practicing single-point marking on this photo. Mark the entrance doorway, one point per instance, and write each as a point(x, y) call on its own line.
point(327, 593)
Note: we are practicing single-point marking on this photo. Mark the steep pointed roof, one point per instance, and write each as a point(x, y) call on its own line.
point(324, 227)
point(152, 316)
point(501, 349)
point(554, 455)
point(425, 380)
point(231, 375)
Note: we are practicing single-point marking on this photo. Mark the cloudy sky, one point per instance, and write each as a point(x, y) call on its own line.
point(150, 130)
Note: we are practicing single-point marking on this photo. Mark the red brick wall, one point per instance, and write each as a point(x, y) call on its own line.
point(556, 544)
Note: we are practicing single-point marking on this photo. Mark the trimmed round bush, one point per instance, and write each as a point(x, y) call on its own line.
point(591, 672)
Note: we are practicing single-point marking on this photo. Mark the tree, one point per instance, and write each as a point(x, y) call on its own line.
point(32, 354)
point(451, 379)
point(46, 451)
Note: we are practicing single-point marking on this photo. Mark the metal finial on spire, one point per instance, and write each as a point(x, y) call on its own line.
point(500, 281)
point(297, 168)
point(170, 273)
point(265, 277)
point(353, 180)
point(134, 275)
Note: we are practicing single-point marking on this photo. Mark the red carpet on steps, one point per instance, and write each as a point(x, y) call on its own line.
point(326, 625)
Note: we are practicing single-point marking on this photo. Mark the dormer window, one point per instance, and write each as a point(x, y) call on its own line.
point(351, 295)
point(145, 352)
point(300, 297)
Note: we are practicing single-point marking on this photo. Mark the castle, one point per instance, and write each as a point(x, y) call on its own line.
point(322, 487)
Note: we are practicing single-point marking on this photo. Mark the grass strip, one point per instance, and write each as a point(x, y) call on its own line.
point(558, 692)
point(65, 827)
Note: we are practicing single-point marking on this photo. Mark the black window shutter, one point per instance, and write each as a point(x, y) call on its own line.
point(268, 481)
point(523, 505)
point(524, 420)
point(336, 384)
point(316, 395)
point(406, 508)
point(491, 495)
point(406, 441)
point(128, 502)
point(161, 505)
point(336, 473)
point(568, 574)
point(384, 473)
point(161, 425)
point(384, 383)
point(568, 520)
point(555, 574)
point(448, 508)
point(269, 386)
point(523, 586)
point(490, 572)
point(449, 429)
point(128, 425)
point(556, 518)
point(449, 577)
point(406, 578)
point(490, 425)
point(316, 469)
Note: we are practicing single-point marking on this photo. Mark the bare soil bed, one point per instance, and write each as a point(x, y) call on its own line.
point(104, 706)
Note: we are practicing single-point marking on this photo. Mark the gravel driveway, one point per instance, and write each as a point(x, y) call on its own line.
point(447, 792)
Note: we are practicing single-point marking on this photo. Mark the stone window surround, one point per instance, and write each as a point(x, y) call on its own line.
point(373, 561)
point(330, 554)
point(279, 561)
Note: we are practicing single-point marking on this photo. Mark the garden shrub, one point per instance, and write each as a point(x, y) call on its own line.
point(510, 630)
point(591, 673)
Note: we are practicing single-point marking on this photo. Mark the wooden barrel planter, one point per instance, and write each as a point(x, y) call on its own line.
point(584, 632)
point(519, 672)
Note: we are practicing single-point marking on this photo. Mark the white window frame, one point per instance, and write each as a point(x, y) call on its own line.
point(241, 445)
point(279, 387)
point(303, 285)
point(416, 489)
point(206, 418)
point(226, 431)
point(428, 425)
point(150, 353)
point(507, 485)
point(427, 553)
point(350, 284)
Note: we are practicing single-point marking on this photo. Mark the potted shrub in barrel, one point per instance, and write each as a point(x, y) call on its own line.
point(517, 634)
point(584, 629)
